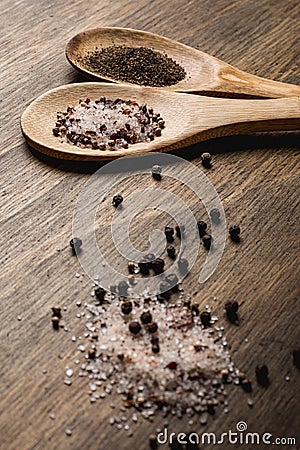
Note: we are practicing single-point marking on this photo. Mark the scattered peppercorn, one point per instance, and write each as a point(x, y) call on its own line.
point(144, 267)
point(231, 309)
point(169, 232)
point(56, 311)
point(123, 289)
point(92, 353)
point(139, 65)
point(100, 294)
point(210, 407)
point(126, 307)
point(146, 317)
point(153, 442)
point(207, 240)
point(131, 267)
point(117, 200)
point(235, 233)
point(296, 358)
point(135, 327)
point(154, 340)
point(158, 265)
point(215, 215)
point(155, 348)
point(246, 385)
point(172, 365)
point(164, 288)
point(202, 226)
point(152, 327)
point(262, 375)
point(171, 252)
point(180, 231)
point(156, 172)
point(183, 266)
point(172, 280)
point(205, 318)
point(75, 245)
point(206, 160)
point(55, 322)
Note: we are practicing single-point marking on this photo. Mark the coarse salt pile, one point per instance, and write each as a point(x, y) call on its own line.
point(187, 374)
point(105, 124)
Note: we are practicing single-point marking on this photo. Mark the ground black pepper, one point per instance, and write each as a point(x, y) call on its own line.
point(139, 65)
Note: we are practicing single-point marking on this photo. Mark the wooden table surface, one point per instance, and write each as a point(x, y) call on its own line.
point(256, 178)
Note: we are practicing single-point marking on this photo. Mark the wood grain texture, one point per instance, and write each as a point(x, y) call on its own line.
point(204, 73)
point(256, 177)
point(189, 118)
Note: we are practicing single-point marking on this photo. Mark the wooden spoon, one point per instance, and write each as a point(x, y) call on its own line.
point(189, 118)
point(206, 75)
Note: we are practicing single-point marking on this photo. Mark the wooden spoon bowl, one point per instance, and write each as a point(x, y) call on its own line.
point(206, 75)
point(189, 118)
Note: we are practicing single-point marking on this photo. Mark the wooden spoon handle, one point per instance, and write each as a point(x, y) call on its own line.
point(248, 116)
point(235, 81)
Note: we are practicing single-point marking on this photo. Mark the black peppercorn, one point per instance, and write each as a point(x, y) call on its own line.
point(180, 231)
point(172, 280)
point(146, 317)
point(246, 385)
point(155, 348)
point(56, 311)
point(231, 309)
point(123, 289)
point(235, 233)
point(207, 240)
point(158, 265)
point(210, 407)
point(92, 353)
point(164, 288)
point(169, 232)
point(296, 358)
point(131, 267)
point(205, 318)
point(154, 340)
point(55, 322)
point(171, 252)
point(152, 327)
point(126, 307)
point(100, 294)
point(202, 226)
point(144, 267)
point(195, 310)
point(153, 442)
point(206, 160)
point(215, 215)
point(150, 257)
point(183, 266)
point(75, 245)
point(135, 327)
point(156, 172)
point(117, 200)
point(262, 375)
